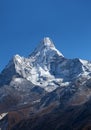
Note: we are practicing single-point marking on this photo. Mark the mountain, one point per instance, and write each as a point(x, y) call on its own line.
point(44, 85)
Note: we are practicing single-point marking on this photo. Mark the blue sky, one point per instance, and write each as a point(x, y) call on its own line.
point(23, 23)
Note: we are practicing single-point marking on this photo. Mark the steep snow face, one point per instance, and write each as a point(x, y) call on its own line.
point(45, 67)
point(44, 53)
point(47, 42)
point(45, 46)
point(86, 65)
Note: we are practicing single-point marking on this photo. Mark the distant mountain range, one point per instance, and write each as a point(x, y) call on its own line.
point(45, 91)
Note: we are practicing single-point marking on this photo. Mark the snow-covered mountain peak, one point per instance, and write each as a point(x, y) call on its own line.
point(46, 47)
point(48, 42)
point(17, 58)
point(46, 67)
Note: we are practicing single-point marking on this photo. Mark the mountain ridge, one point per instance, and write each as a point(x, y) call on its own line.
point(45, 63)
